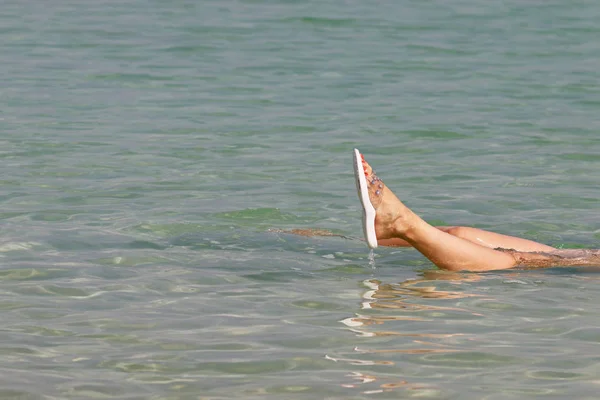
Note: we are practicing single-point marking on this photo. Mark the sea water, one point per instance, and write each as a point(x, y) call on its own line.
point(152, 151)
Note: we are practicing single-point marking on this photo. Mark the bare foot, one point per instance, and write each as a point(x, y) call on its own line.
point(392, 218)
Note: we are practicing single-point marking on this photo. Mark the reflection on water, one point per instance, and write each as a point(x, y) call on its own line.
point(309, 232)
point(404, 313)
point(361, 379)
point(434, 335)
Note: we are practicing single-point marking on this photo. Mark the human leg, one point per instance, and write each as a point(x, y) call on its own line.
point(481, 237)
point(445, 250)
point(395, 220)
point(478, 236)
point(557, 258)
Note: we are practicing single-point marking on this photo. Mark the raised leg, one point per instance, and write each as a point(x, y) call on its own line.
point(478, 236)
point(395, 220)
point(481, 237)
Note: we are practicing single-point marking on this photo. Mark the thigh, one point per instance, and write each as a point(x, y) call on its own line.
point(495, 240)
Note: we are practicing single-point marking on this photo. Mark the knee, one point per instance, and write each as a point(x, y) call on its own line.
point(458, 231)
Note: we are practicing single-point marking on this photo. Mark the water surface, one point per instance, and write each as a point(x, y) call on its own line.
point(149, 150)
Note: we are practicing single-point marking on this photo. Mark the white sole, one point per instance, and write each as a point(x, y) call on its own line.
point(368, 218)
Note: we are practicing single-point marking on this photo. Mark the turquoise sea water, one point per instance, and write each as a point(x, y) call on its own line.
point(149, 149)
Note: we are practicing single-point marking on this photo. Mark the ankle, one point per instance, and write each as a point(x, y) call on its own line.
point(404, 226)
